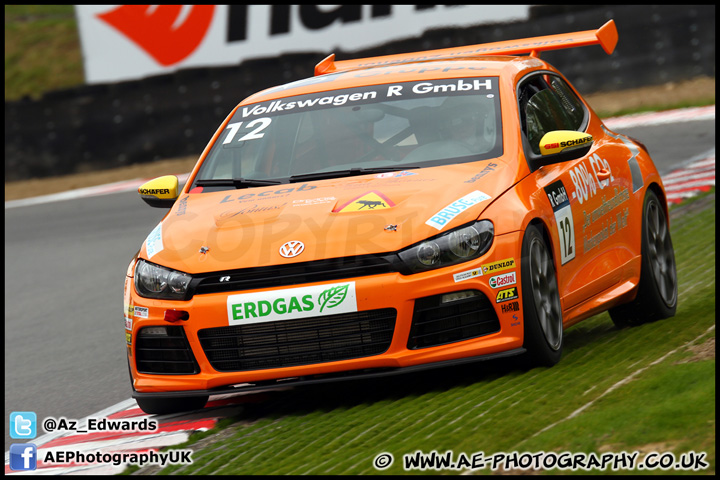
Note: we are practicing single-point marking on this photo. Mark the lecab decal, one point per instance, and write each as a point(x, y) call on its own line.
point(369, 201)
point(281, 192)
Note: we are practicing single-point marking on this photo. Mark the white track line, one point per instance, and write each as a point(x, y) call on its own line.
point(621, 383)
point(117, 187)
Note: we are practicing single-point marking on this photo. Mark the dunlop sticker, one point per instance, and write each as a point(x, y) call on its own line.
point(498, 266)
point(290, 304)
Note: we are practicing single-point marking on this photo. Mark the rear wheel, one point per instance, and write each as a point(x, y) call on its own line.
point(657, 292)
point(543, 328)
point(165, 405)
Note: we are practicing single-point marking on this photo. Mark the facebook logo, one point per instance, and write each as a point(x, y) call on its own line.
point(23, 456)
point(23, 425)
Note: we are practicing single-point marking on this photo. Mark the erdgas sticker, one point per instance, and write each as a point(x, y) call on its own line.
point(291, 303)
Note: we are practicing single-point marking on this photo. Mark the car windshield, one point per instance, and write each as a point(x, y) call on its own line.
point(343, 132)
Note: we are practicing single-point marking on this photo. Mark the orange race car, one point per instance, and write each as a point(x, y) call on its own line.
point(394, 213)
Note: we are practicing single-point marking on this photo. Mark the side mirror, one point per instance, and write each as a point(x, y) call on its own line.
point(160, 192)
point(561, 146)
point(559, 141)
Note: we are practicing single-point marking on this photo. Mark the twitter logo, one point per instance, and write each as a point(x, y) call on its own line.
point(23, 425)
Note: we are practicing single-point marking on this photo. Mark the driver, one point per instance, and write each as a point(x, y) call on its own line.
point(466, 124)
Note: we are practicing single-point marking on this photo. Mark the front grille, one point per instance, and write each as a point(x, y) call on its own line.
point(298, 342)
point(167, 353)
point(436, 323)
point(292, 274)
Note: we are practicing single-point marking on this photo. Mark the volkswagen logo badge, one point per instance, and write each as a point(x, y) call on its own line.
point(292, 249)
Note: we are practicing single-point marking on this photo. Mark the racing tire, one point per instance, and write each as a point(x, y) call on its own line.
point(166, 405)
point(543, 323)
point(658, 287)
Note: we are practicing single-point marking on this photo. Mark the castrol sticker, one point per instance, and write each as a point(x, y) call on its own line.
point(504, 280)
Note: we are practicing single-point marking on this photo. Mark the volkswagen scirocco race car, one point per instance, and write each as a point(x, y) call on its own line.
point(395, 213)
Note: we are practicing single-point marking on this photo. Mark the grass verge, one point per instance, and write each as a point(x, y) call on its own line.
point(42, 50)
point(645, 389)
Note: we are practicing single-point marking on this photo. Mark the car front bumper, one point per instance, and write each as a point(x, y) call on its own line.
point(402, 323)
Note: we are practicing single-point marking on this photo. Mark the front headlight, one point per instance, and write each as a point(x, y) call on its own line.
point(154, 281)
point(455, 246)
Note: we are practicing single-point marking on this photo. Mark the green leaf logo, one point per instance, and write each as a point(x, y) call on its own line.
point(333, 297)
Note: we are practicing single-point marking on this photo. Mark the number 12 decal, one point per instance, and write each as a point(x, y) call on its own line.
point(560, 203)
point(564, 220)
point(234, 127)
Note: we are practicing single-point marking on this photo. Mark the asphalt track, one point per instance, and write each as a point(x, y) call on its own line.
point(64, 270)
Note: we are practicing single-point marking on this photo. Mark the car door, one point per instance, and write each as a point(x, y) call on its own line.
point(589, 194)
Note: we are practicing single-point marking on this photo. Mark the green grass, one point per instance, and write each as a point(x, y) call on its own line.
point(42, 50)
point(633, 389)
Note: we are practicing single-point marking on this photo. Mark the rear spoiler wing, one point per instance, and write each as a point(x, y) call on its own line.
point(606, 36)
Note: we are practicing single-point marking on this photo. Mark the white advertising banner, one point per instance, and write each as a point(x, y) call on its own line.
point(125, 42)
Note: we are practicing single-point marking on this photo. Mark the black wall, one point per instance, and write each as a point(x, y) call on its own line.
point(105, 126)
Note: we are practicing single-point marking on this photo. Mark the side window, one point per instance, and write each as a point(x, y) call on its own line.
point(547, 103)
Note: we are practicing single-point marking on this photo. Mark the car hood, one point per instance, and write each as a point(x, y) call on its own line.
point(349, 216)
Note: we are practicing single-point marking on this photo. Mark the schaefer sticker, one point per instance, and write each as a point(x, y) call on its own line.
point(459, 277)
point(291, 303)
point(498, 266)
point(560, 203)
point(506, 294)
point(444, 216)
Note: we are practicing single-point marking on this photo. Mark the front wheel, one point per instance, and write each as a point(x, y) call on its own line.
point(543, 324)
point(166, 405)
point(657, 292)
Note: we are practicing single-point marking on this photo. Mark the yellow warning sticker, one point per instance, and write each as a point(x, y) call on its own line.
point(369, 201)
